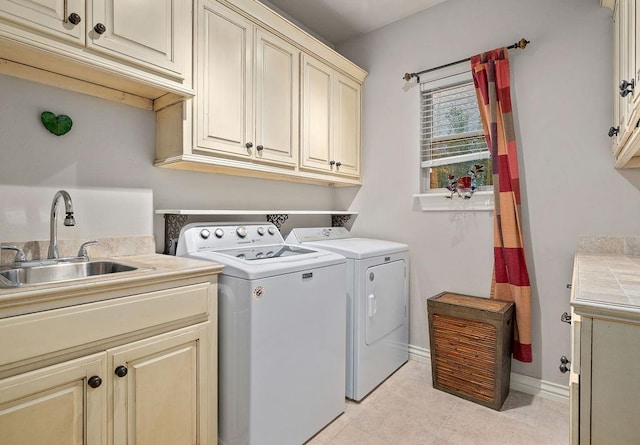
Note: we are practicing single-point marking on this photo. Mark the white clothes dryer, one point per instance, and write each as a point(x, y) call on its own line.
point(281, 314)
point(377, 303)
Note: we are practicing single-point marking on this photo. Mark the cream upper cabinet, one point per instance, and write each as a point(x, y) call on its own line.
point(626, 76)
point(143, 48)
point(64, 404)
point(224, 74)
point(150, 32)
point(317, 115)
point(53, 17)
point(271, 102)
point(346, 122)
point(330, 119)
point(277, 99)
point(247, 82)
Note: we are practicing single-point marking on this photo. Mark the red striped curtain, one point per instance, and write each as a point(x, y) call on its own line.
point(510, 277)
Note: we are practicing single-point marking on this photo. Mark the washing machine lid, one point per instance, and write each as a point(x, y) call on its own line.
point(268, 261)
point(339, 240)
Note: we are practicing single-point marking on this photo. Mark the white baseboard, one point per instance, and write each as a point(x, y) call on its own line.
point(518, 382)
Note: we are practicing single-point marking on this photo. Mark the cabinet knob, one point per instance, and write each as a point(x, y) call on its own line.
point(613, 131)
point(565, 364)
point(249, 144)
point(94, 381)
point(99, 28)
point(338, 164)
point(121, 371)
point(332, 163)
point(627, 87)
point(259, 148)
point(566, 318)
point(74, 18)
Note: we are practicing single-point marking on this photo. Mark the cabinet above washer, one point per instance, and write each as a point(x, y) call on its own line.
point(271, 102)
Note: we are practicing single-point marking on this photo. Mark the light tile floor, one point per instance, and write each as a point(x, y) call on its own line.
point(407, 410)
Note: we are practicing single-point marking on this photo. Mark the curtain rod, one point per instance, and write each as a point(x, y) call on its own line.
point(522, 44)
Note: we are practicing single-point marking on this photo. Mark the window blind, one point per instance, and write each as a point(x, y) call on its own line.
point(450, 128)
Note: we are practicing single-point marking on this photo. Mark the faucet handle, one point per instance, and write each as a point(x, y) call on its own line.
point(82, 252)
point(20, 256)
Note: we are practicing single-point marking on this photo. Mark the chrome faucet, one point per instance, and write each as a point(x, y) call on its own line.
point(69, 220)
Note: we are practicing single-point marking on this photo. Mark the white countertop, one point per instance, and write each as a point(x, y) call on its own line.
point(154, 271)
point(607, 285)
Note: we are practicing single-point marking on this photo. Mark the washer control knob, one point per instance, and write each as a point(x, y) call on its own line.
point(219, 233)
point(261, 231)
point(259, 255)
point(272, 230)
point(326, 232)
point(204, 234)
point(241, 231)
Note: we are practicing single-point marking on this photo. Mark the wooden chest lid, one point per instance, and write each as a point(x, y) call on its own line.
point(484, 304)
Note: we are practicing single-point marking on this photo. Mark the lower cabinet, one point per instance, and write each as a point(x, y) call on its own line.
point(56, 405)
point(157, 388)
point(604, 386)
point(152, 391)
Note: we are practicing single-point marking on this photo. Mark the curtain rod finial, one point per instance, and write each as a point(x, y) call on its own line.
point(407, 77)
point(522, 43)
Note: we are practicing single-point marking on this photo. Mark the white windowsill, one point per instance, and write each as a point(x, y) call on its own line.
point(437, 202)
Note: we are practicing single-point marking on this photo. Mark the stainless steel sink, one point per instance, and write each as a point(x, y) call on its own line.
point(54, 273)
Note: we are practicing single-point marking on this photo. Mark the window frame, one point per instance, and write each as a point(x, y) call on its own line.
point(435, 199)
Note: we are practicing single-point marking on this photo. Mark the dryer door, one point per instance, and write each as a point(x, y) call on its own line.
point(385, 299)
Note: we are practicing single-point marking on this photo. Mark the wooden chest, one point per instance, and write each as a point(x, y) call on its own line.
point(471, 342)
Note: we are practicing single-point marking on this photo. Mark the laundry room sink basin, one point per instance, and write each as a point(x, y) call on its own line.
point(54, 273)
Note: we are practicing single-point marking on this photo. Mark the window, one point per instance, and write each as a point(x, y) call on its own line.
point(452, 141)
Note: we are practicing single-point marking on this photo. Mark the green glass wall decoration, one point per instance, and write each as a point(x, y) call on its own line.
point(58, 125)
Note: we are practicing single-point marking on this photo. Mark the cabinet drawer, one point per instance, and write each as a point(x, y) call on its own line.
point(31, 335)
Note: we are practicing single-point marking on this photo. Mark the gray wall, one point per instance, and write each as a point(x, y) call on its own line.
point(106, 161)
point(562, 93)
point(562, 89)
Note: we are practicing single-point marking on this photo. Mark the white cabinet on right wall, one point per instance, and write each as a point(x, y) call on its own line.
point(624, 130)
point(330, 119)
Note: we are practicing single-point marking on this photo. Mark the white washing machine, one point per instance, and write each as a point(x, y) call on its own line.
point(281, 332)
point(377, 303)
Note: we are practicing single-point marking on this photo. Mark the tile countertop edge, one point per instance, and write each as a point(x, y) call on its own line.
point(154, 270)
point(598, 291)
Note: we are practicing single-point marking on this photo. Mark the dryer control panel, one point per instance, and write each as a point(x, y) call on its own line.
point(308, 234)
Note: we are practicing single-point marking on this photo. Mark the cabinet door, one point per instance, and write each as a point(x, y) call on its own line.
point(224, 117)
point(155, 33)
point(55, 405)
point(621, 63)
point(346, 125)
point(47, 16)
point(160, 388)
point(574, 376)
point(277, 99)
point(317, 115)
point(635, 50)
point(614, 383)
